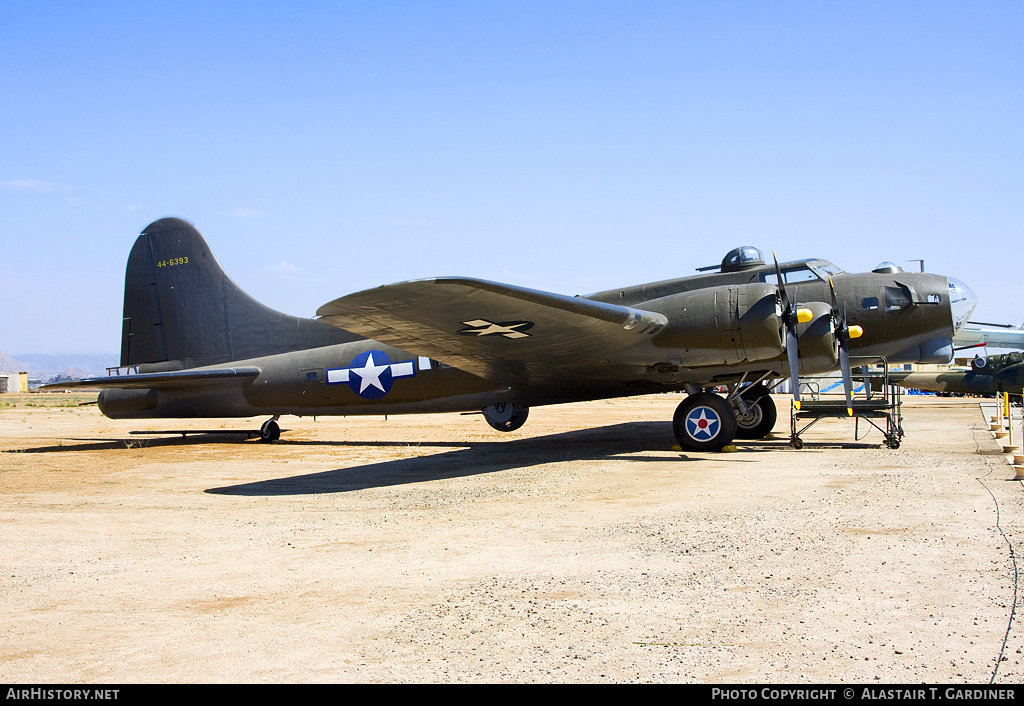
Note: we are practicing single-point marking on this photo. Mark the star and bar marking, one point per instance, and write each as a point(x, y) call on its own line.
point(508, 329)
point(371, 374)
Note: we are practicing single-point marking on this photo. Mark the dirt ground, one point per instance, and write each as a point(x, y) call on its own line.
point(581, 548)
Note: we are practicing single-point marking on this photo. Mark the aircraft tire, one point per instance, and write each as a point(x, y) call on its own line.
point(704, 422)
point(504, 416)
point(759, 420)
point(270, 431)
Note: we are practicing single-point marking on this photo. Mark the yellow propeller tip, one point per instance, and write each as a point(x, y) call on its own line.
point(856, 331)
point(804, 315)
point(796, 404)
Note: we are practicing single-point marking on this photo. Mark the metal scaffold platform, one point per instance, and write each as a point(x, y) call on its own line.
point(880, 407)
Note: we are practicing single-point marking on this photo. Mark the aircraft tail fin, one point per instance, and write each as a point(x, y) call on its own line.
point(181, 309)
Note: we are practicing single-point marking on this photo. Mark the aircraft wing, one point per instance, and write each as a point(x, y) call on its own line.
point(506, 334)
point(177, 378)
point(996, 336)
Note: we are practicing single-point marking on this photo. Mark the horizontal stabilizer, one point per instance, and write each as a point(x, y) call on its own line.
point(178, 378)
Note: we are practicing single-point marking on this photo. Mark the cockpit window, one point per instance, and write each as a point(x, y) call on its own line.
point(828, 268)
point(792, 276)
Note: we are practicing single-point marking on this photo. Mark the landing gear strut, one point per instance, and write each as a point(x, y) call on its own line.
point(504, 416)
point(704, 422)
point(760, 416)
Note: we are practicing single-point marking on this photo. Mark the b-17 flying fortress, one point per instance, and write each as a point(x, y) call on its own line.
point(195, 345)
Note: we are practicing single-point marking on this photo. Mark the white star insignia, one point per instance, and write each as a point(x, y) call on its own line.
point(702, 425)
point(370, 374)
point(508, 329)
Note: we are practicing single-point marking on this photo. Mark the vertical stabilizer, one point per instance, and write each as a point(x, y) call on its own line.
point(181, 309)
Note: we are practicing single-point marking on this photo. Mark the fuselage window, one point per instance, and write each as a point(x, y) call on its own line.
point(430, 364)
point(869, 303)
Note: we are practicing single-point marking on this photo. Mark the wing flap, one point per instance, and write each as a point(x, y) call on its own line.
point(503, 333)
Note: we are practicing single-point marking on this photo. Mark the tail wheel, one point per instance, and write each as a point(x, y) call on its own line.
point(504, 416)
point(704, 422)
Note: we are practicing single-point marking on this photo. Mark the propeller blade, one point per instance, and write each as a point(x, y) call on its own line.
point(794, 364)
point(843, 339)
point(840, 320)
point(844, 365)
point(792, 315)
point(786, 305)
point(793, 349)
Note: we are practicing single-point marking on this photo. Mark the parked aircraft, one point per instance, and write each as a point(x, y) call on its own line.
point(976, 334)
point(195, 345)
point(987, 376)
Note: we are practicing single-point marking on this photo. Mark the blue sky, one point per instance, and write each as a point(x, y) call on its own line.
point(327, 147)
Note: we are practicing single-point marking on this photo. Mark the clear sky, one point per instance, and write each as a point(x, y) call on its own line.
point(327, 147)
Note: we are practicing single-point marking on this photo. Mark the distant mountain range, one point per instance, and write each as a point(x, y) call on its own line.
point(45, 367)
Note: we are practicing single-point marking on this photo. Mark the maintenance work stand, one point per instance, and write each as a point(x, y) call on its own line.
point(880, 406)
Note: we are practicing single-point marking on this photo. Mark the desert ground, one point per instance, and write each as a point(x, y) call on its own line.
point(580, 548)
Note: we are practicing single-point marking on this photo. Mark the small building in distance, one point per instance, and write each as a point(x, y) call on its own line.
point(13, 382)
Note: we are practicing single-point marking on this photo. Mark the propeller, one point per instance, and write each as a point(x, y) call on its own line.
point(844, 332)
point(791, 316)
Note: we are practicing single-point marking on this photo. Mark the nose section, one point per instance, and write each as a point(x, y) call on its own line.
point(961, 303)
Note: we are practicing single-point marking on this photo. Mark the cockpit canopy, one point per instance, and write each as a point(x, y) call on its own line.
point(803, 271)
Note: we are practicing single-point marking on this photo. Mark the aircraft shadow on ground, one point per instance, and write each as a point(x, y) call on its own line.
point(613, 442)
point(140, 442)
point(608, 443)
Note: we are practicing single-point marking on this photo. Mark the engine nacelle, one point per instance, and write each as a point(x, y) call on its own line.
point(725, 325)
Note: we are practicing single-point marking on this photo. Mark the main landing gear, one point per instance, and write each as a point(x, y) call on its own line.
point(760, 415)
point(270, 431)
point(705, 421)
point(504, 416)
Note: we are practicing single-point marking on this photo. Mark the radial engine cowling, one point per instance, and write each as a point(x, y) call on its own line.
point(819, 347)
point(725, 325)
